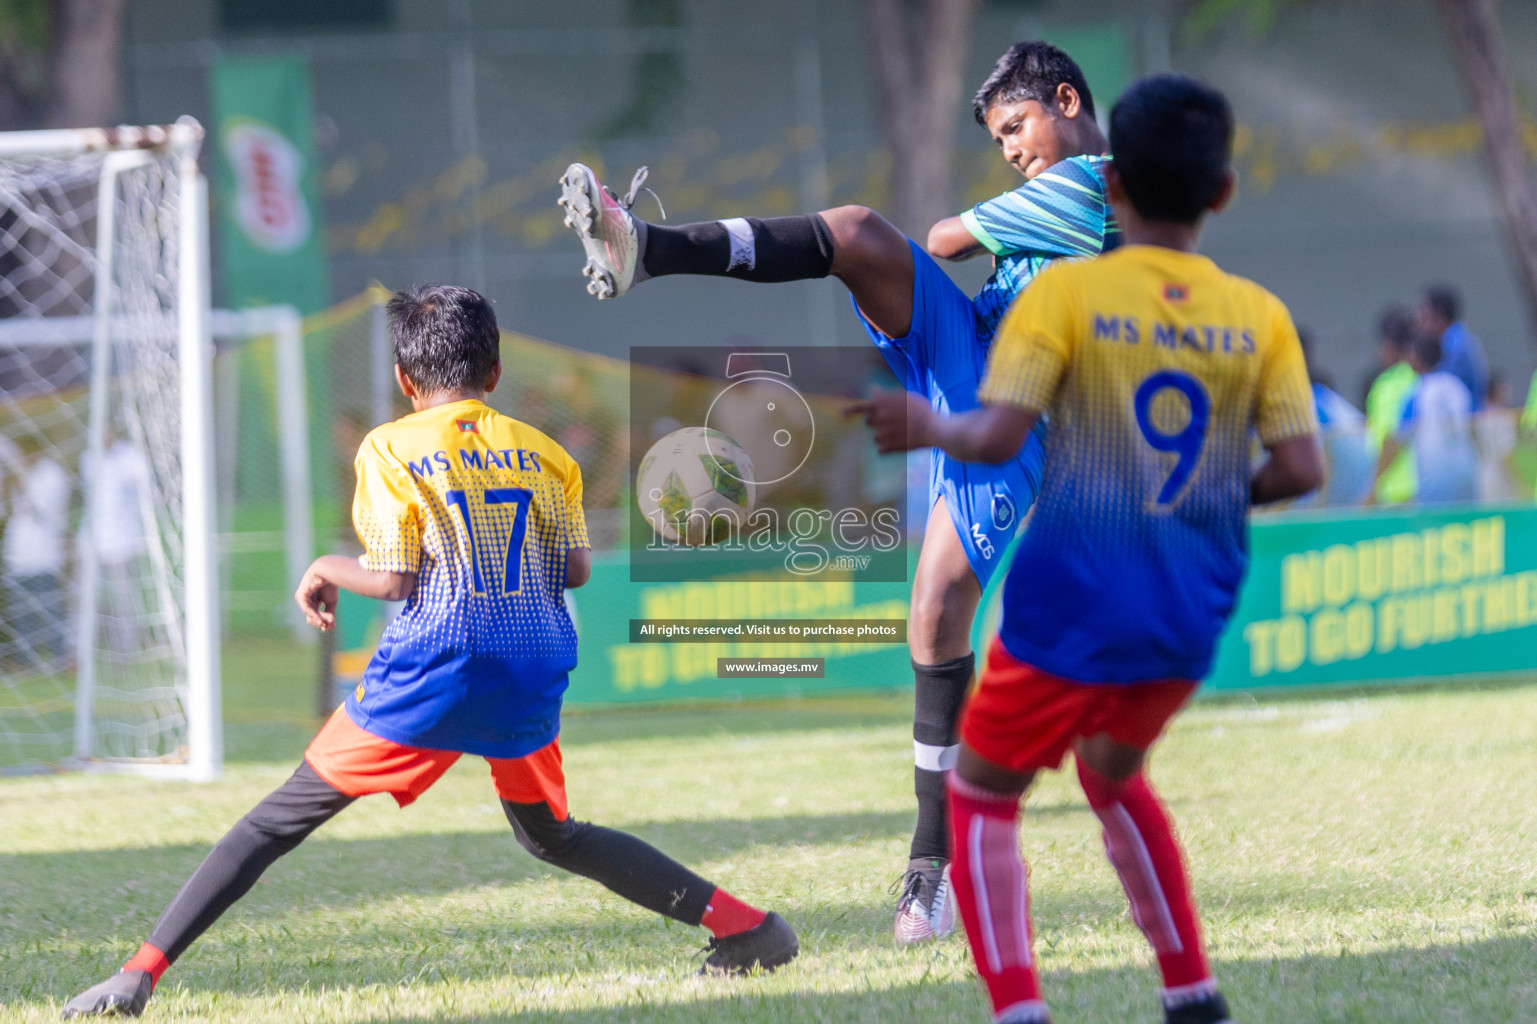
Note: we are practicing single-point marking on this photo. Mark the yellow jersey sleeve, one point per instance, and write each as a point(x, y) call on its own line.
point(1283, 398)
point(1034, 344)
point(576, 519)
point(386, 512)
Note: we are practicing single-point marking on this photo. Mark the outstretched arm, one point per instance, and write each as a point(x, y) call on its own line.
point(1295, 467)
point(317, 593)
point(903, 421)
point(950, 239)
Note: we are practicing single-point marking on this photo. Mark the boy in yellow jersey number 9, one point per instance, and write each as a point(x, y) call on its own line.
point(1155, 366)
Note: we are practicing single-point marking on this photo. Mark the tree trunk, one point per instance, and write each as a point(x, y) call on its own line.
point(920, 64)
point(1474, 30)
point(84, 87)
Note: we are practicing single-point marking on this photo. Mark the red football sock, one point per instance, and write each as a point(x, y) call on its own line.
point(150, 959)
point(1141, 844)
point(993, 892)
point(727, 915)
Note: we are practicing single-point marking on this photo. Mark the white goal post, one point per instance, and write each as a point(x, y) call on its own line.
point(106, 454)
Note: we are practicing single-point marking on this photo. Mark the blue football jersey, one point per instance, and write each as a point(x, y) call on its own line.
point(1060, 213)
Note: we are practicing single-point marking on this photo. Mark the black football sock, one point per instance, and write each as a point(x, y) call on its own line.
point(937, 696)
point(746, 248)
point(276, 825)
point(628, 866)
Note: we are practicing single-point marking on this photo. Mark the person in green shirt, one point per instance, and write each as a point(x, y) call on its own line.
point(1385, 403)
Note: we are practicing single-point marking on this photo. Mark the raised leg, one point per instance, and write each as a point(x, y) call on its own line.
point(852, 243)
point(875, 261)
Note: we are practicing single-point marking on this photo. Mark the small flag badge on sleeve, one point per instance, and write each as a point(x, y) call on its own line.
point(467, 426)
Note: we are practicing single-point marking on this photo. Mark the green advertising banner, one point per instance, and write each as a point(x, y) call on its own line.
point(1330, 599)
point(271, 244)
point(1384, 596)
point(613, 670)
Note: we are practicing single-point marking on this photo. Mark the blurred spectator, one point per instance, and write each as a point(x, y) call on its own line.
point(1334, 409)
point(1494, 431)
point(120, 539)
point(1498, 395)
point(1348, 452)
point(1385, 402)
point(33, 559)
point(1462, 355)
point(1437, 420)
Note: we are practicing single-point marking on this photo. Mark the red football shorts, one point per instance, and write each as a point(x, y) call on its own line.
point(1025, 719)
point(359, 763)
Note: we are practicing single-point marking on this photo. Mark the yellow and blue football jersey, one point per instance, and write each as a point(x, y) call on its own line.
point(483, 508)
point(1154, 366)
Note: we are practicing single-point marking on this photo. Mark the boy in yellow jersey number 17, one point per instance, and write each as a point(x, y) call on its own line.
point(475, 520)
point(1154, 366)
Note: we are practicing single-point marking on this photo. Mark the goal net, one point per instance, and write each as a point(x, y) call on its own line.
point(108, 651)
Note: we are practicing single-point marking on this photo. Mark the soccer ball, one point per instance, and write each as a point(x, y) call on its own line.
point(695, 486)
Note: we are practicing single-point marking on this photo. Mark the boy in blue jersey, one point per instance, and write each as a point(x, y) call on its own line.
point(1157, 369)
point(1037, 107)
point(475, 520)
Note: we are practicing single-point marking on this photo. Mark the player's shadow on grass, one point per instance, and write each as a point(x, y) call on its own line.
point(1483, 981)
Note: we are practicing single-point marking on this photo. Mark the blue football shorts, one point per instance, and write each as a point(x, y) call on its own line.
point(943, 356)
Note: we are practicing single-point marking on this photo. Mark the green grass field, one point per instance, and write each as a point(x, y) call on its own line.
point(1366, 858)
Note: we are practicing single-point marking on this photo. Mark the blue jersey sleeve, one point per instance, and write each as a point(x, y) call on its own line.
point(1060, 212)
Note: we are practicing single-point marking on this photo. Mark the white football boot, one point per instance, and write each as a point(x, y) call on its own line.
point(610, 234)
point(926, 907)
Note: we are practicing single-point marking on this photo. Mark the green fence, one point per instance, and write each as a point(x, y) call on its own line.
point(1330, 599)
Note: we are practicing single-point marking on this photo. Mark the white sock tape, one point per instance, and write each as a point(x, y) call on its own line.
point(935, 759)
point(744, 250)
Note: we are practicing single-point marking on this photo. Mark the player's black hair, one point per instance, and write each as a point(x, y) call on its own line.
point(1444, 301)
point(446, 338)
point(1396, 327)
point(1030, 71)
point(1171, 138)
point(1427, 349)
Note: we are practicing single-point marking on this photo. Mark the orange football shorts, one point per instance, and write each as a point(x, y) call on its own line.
point(359, 763)
point(1025, 719)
